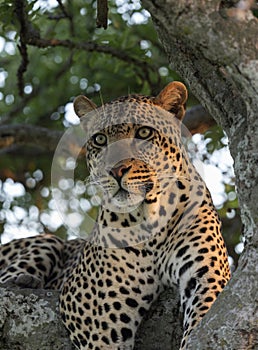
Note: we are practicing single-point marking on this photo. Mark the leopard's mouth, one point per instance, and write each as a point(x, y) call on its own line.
point(125, 200)
point(140, 188)
point(126, 196)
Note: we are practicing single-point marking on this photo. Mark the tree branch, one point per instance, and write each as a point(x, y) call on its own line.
point(67, 15)
point(198, 120)
point(102, 13)
point(36, 91)
point(20, 12)
point(32, 37)
point(90, 47)
point(29, 319)
point(32, 135)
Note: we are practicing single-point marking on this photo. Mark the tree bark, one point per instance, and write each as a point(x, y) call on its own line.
point(29, 320)
point(216, 54)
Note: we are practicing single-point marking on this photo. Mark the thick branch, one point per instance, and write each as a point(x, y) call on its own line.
point(32, 135)
point(29, 319)
point(198, 120)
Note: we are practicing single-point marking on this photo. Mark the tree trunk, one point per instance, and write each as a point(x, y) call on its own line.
point(215, 51)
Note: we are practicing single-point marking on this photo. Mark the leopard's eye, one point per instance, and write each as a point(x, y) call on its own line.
point(144, 133)
point(100, 139)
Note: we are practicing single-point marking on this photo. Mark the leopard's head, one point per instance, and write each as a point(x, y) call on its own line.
point(134, 152)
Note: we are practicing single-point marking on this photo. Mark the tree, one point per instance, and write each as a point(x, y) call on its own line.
point(212, 46)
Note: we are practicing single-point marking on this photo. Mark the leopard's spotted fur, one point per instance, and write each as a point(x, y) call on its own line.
point(156, 227)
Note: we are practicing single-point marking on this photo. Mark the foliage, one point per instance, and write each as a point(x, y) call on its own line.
point(51, 51)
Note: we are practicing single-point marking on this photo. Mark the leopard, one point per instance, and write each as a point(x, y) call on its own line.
point(156, 227)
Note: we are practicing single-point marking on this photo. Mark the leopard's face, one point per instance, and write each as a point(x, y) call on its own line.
point(138, 165)
point(121, 167)
point(131, 162)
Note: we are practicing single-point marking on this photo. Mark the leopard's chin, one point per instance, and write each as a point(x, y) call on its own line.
point(124, 201)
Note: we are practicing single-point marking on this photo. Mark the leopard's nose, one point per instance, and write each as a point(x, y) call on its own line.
point(119, 171)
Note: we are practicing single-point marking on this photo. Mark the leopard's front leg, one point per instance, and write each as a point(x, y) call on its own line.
point(198, 292)
point(104, 300)
point(198, 264)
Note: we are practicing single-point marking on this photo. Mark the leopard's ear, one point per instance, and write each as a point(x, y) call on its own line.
point(173, 98)
point(82, 105)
